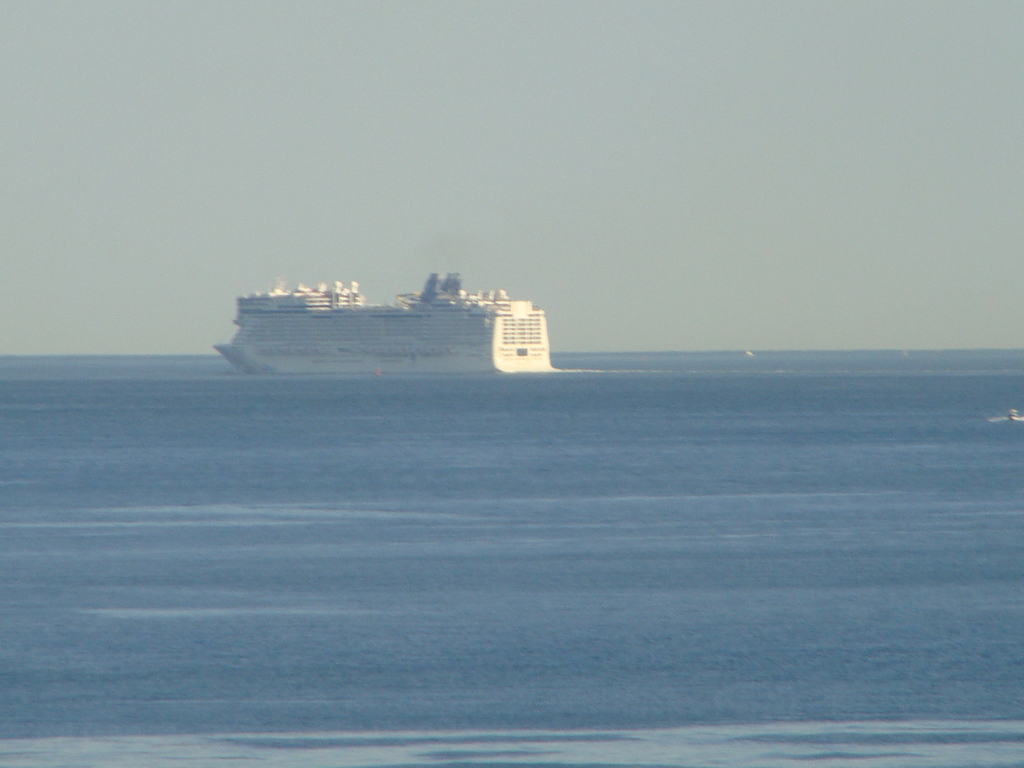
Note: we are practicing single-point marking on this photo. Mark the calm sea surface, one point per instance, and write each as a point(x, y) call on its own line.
point(704, 559)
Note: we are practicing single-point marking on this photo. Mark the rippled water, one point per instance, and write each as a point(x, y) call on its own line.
point(707, 561)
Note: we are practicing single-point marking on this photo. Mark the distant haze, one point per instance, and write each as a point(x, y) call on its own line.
point(657, 176)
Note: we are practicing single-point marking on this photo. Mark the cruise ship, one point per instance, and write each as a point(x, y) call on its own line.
point(441, 329)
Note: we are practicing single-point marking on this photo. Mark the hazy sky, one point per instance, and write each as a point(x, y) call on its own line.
point(657, 176)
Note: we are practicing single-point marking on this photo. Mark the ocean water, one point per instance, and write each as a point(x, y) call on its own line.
point(692, 560)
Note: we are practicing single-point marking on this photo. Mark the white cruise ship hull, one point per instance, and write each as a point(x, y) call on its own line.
point(505, 337)
point(250, 360)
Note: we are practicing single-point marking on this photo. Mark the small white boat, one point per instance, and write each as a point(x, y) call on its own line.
point(1012, 415)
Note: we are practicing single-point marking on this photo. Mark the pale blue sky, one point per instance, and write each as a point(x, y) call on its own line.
point(657, 176)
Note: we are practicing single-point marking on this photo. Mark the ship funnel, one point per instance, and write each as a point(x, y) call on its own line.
point(429, 289)
point(452, 284)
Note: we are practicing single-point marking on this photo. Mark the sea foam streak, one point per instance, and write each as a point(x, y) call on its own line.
point(912, 744)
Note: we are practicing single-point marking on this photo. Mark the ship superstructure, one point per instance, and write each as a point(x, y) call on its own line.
point(441, 329)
